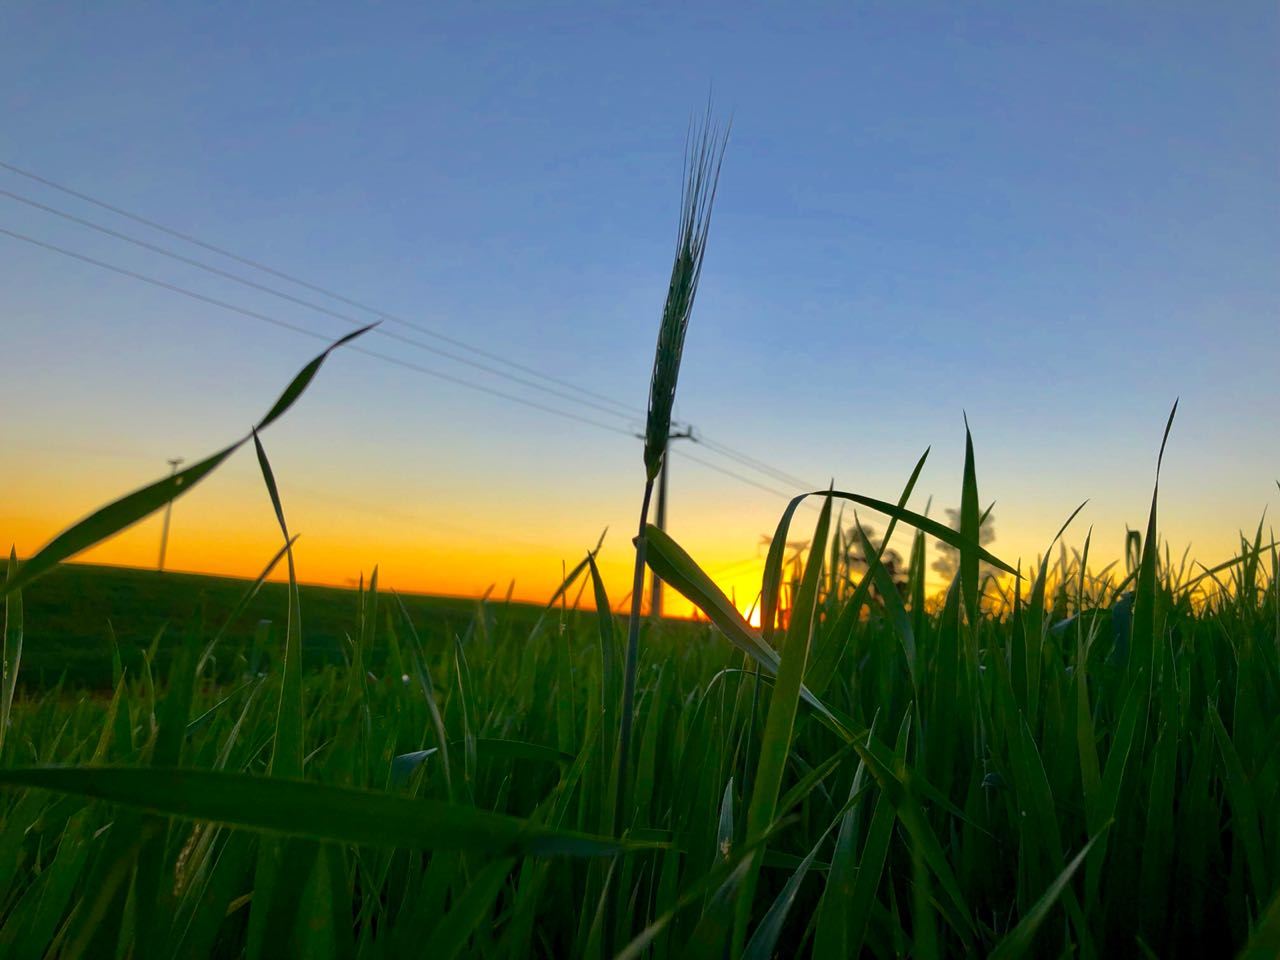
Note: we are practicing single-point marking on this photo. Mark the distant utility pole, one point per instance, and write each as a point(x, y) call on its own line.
point(168, 510)
point(655, 583)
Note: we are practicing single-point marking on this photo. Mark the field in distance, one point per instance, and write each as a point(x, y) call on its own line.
point(74, 613)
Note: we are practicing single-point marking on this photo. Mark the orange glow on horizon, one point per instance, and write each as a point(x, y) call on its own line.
point(437, 569)
point(464, 554)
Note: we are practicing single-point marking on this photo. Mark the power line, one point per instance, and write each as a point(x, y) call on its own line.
point(758, 465)
point(732, 473)
point(296, 328)
point(622, 409)
point(315, 288)
point(357, 348)
point(722, 449)
point(309, 304)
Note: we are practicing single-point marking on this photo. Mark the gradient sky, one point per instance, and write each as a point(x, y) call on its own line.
point(1056, 219)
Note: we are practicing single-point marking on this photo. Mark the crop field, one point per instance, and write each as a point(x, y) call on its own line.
point(1048, 760)
point(83, 617)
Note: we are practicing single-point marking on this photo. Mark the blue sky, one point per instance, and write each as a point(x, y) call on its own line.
point(1056, 218)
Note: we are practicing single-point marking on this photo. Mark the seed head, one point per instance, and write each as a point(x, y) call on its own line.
point(703, 155)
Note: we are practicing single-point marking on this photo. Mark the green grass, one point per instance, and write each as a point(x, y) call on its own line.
point(81, 614)
point(1083, 764)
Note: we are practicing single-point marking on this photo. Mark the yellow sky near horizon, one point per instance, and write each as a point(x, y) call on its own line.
point(226, 527)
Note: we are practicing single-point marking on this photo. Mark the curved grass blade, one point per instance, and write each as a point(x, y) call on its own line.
point(245, 599)
point(765, 938)
point(724, 829)
point(275, 897)
point(12, 659)
point(679, 570)
point(1143, 636)
point(669, 561)
point(610, 692)
point(429, 695)
point(129, 509)
point(815, 776)
point(775, 742)
point(1033, 635)
point(116, 516)
point(1248, 556)
point(866, 877)
point(832, 919)
point(287, 749)
point(826, 656)
point(893, 605)
point(1017, 941)
point(312, 810)
point(1265, 942)
point(939, 531)
point(970, 530)
point(469, 912)
point(716, 923)
point(1244, 809)
point(404, 766)
point(304, 377)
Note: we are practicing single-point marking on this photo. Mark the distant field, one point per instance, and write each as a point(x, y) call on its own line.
point(74, 612)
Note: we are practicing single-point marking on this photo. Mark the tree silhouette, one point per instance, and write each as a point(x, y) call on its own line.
point(890, 559)
point(948, 561)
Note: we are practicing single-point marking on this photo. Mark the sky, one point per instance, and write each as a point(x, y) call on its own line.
point(1054, 219)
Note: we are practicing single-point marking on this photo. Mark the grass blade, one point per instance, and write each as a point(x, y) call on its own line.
point(469, 912)
point(1143, 636)
point(128, 510)
point(970, 527)
point(287, 749)
point(680, 571)
point(775, 743)
point(312, 810)
point(12, 658)
point(1017, 941)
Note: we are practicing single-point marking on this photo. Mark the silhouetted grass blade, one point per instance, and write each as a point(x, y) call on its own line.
point(775, 743)
point(669, 560)
point(1143, 636)
point(304, 377)
point(970, 527)
point(314, 810)
point(114, 517)
point(128, 510)
point(12, 654)
point(1017, 942)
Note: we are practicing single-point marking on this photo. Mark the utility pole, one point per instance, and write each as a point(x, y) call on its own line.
point(168, 510)
point(655, 584)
